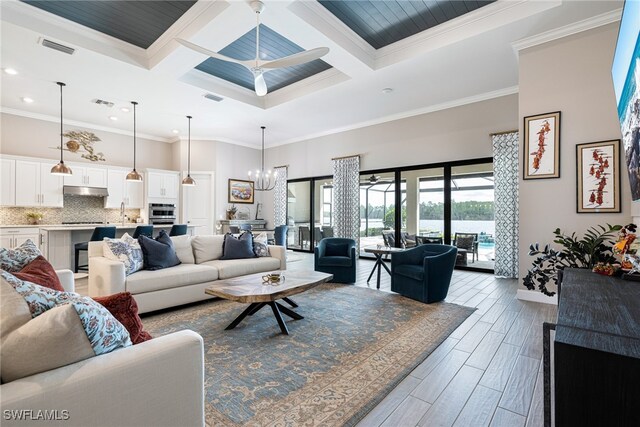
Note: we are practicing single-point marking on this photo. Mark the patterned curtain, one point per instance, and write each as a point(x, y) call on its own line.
point(280, 197)
point(505, 171)
point(346, 198)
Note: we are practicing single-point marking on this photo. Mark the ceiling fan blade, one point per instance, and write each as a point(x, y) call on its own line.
point(213, 54)
point(297, 58)
point(260, 85)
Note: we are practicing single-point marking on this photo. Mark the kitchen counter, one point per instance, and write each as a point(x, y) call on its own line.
point(78, 227)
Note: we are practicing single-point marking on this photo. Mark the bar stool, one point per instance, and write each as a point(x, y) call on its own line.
point(178, 230)
point(245, 227)
point(143, 230)
point(234, 229)
point(99, 233)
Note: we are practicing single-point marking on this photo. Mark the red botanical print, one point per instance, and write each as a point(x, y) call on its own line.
point(598, 170)
point(545, 128)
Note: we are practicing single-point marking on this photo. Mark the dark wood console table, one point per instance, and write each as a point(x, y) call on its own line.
point(597, 351)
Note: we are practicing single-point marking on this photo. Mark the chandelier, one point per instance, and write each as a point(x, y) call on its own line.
point(263, 181)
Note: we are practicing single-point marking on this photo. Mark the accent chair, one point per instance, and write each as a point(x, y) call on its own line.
point(337, 256)
point(423, 273)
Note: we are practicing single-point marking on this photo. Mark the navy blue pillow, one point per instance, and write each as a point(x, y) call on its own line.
point(238, 247)
point(336, 249)
point(158, 253)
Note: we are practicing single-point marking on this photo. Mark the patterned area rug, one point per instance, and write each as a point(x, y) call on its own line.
point(351, 349)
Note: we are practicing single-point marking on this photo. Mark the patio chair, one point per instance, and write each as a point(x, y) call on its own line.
point(468, 242)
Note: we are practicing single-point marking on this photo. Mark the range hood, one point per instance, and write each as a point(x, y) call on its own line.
point(85, 191)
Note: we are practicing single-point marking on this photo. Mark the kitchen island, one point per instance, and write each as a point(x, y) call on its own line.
point(57, 241)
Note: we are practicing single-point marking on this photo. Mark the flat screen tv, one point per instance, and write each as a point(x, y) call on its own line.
point(626, 82)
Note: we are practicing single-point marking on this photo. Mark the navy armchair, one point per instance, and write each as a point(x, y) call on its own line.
point(423, 273)
point(337, 256)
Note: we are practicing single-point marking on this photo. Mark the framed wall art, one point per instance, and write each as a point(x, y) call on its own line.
point(542, 146)
point(240, 191)
point(598, 168)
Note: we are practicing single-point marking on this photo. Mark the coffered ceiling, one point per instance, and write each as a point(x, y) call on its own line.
point(432, 54)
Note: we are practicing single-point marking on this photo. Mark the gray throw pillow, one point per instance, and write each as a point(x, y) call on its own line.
point(238, 247)
point(158, 253)
point(260, 249)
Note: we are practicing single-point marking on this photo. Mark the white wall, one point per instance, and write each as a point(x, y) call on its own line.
point(453, 134)
point(23, 136)
point(571, 75)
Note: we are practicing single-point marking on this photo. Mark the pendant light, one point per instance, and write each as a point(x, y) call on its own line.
point(134, 175)
point(188, 181)
point(263, 180)
point(61, 168)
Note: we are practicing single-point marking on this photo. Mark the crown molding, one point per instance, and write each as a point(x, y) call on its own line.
point(393, 117)
point(568, 30)
point(56, 119)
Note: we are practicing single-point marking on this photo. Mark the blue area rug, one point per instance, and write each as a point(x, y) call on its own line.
point(351, 349)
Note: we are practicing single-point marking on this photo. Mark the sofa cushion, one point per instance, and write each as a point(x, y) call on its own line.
point(182, 245)
point(158, 253)
point(240, 267)
point(238, 247)
point(415, 272)
point(40, 272)
point(174, 277)
point(125, 309)
point(13, 260)
point(207, 247)
point(126, 250)
point(336, 249)
point(334, 261)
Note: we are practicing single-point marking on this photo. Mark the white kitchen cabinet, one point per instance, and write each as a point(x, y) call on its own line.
point(163, 185)
point(8, 187)
point(121, 190)
point(86, 176)
point(35, 186)
point(11, 238)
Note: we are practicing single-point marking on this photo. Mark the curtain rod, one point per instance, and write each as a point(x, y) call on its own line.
point(504, 133)
point(346, 157)
point(283, 166)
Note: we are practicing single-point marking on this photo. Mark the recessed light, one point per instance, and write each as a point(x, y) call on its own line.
point(125, 110)
point(114, 118)
point(176, 131)
point(27, 100)
point(387, 90)
point(10, 71)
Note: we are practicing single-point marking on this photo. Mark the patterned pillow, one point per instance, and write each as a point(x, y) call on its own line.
point(104, 332)
point(260, 249)
point(126, 250)
point(13, 260)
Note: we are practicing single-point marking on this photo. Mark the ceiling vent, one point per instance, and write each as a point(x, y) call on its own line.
point(102, 102)
point(57, 46)
point(213, 97)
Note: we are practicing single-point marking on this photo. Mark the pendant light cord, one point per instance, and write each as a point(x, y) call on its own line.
point(134, 134)
point(262, 161)
point(61, 128)
point(189, 150)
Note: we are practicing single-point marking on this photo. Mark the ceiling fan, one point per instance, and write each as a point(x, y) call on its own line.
point(257, 66)
point(375, 179)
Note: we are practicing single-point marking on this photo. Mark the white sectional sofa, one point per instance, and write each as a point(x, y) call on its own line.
point(201, 266)
point(127, 387)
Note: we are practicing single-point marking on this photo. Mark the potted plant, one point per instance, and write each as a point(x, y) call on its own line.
point(34, 217)
point(597, 246)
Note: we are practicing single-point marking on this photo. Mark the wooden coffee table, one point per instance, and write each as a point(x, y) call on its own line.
point(250, 289)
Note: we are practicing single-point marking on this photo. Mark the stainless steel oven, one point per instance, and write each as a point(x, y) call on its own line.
point(162, 213)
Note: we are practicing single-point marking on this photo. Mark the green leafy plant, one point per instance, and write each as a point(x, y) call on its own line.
point(596, 246)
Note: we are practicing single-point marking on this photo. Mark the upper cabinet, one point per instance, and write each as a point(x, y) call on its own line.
point(123, 191)
point(163, 185)
point(8, 177)
point(35, 186)
point(86, 176)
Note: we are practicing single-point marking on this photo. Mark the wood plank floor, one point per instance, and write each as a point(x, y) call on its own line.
point(487, 373)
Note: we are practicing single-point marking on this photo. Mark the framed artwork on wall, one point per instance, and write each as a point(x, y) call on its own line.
point(240, 191)
point(598, 169)
point(542, 146)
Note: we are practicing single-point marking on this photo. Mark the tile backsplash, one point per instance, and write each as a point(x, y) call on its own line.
point(76, 208)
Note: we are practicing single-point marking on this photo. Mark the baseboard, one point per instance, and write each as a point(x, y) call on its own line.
point(536, 296)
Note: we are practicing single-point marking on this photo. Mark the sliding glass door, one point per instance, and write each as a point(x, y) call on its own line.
point(309, 212)
point(377, 210)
